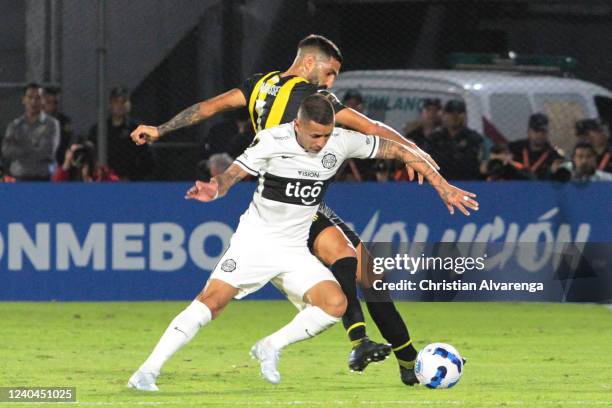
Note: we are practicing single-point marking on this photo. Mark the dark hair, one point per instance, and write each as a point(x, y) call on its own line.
point(538, 122)
point(454, 106)
point(352, 94)
point(318, 109)
point(119, 92)
point(584, 145)
point(427, 102)
point(585, 126)
point(52, 90)
point(30, 85)
point(83, 155)
point(322, 44)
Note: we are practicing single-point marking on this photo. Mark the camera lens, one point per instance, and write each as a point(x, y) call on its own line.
point(78, 157)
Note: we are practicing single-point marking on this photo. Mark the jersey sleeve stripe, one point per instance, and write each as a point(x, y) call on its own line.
point(280, 103)
point(246, 168)
point(254, 94)
point(374, 147)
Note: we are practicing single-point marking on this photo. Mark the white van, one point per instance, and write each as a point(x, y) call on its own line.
point(498, 103)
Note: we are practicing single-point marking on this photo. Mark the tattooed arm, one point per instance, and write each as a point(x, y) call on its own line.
point(451, 195)
point(188, 117)
point(218, 185)
point(388, 149)
point(354, 120)
point(197, 113)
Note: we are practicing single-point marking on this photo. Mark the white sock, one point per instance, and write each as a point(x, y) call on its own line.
point(182, 329)
point(306, 324)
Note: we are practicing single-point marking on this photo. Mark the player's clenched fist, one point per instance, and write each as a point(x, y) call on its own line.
point(202, 191)
point(145, 134)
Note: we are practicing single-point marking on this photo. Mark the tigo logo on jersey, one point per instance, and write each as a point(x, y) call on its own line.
point(308, 193)
point(295, 190)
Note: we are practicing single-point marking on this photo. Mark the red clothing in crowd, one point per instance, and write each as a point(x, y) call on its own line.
point(102, 174)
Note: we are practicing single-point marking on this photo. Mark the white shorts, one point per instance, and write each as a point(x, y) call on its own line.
point(248, 265)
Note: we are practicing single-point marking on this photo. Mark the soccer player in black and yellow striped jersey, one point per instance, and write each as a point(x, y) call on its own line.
point(273, 98)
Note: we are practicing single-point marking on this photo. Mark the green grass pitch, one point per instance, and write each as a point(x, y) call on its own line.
point(531, 355)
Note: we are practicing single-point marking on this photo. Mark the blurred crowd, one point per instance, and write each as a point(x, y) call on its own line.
point(464, 154)
point(40, 145)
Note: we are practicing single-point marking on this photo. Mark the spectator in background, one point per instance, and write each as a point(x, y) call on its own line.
point(355, 169)
point(354, 100)
point(581, 131)
point(51, 104)
point(30, 142)
point(594, 133)
point(215, 165)
point(5, 177)
point(131, 162)
point(382, 170)
point(585, 164)
point(430, 118)
point(455, 147)
point(202, 172)
point(500, 166)
point(218, 163)
point(80, 164)
point(230, 136)
point(419, 130)
point(535, 153)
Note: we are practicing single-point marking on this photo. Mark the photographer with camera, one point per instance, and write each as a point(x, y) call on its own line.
point(80, 164)
point(500, 166)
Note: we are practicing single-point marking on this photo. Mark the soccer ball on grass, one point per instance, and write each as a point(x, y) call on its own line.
point(439, 365)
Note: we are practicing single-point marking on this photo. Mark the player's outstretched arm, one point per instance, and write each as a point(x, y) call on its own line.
point(218, 186)
point(451, 195)
point(351, 118)
point(197, 113)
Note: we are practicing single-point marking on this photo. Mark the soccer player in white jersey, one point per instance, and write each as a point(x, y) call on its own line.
point(295, 163)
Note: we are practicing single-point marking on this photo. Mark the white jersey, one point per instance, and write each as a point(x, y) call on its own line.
point(292, 181)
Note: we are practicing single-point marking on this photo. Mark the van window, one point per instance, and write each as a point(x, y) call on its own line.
point(563, 110)
point(396, 108)
point(510, 114)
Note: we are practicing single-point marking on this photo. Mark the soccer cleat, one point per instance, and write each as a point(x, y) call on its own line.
point(268, 359)
point(408, 376)
point(142, 381)
point(367, 352)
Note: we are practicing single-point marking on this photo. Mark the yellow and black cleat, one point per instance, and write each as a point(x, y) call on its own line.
point(366, 352)
point(407, 374)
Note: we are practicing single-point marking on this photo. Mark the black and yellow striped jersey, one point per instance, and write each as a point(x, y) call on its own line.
point(273, 100)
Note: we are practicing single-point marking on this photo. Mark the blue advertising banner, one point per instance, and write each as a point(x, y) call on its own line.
point(143, 241)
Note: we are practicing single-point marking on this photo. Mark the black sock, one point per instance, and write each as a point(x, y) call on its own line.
point(391, 325)
point(344, 271)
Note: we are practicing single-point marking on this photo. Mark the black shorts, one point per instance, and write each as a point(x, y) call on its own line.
point(326, 217)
